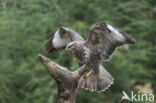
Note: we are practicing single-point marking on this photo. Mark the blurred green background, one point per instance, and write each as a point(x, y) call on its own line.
point(25, 24)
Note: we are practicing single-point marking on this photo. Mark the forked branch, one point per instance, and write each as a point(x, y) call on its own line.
point(67, 81)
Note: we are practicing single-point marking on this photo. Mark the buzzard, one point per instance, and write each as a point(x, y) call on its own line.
point(102, 42)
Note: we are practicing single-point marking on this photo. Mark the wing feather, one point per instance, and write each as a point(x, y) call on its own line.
point(107, 38)
point(61, 38)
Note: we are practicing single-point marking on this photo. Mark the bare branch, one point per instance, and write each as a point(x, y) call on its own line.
point(67, 81)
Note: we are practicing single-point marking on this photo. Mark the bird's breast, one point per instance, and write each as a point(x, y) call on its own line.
point(81, 55)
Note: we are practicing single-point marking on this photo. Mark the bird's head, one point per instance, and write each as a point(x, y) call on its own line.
point(72, 46)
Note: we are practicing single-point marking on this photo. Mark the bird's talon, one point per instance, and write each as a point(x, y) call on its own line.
point(86, 75)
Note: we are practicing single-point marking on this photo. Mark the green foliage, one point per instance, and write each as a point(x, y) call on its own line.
point(24, 25)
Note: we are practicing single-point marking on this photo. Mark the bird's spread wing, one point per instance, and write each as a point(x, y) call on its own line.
point(61, 38)
point(107, 38)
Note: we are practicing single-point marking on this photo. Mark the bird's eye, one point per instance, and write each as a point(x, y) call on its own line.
point(69, 46)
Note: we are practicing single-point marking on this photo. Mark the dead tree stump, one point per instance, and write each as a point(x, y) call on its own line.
point(67, 81)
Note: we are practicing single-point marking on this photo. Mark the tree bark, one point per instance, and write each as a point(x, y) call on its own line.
point(67, 81)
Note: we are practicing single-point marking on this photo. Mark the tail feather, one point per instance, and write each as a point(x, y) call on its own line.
point(95, 82)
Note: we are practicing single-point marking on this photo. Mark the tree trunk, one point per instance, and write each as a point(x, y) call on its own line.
point(67, 81)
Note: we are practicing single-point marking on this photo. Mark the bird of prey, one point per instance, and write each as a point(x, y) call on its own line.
point(102, 42)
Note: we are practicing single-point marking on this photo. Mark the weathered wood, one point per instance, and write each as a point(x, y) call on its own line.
point(67, 81)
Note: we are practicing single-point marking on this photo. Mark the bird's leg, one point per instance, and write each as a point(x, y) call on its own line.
point(86, 74)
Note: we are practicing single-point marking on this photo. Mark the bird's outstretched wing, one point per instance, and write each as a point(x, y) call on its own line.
point(107, 38)
point(61, 38)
